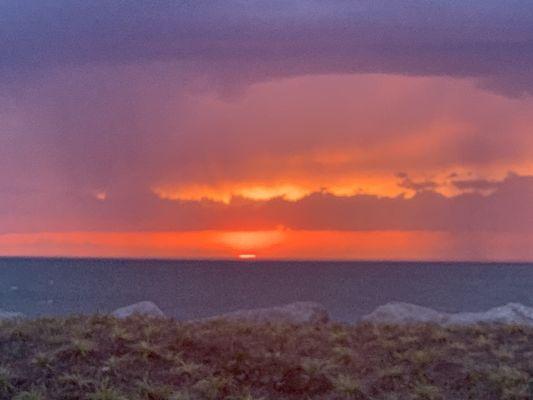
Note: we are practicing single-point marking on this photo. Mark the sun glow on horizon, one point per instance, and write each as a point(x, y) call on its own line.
point(247, 256)
point(251, 240)
point(324, 245)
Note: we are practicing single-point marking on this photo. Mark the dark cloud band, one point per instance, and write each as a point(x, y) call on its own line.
point(254, 40)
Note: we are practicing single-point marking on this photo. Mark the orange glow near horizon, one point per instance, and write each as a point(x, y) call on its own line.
point(247, 256)
point(288, 244)
point(251, 240)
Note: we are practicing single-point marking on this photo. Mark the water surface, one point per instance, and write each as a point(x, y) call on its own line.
point(193, 289)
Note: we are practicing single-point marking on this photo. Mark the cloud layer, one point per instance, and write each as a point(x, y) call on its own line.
point(506, 210)
point(240, 115)
point(234, 41)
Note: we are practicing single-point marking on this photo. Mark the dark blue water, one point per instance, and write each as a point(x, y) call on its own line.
point(192, 289)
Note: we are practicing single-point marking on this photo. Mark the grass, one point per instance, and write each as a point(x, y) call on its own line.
point(102, 358)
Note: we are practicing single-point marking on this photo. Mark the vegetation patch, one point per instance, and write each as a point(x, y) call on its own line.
point(104, 358)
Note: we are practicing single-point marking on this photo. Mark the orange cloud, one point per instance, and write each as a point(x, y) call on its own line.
point(318, 154)
point(347, 134)
point(225, 192)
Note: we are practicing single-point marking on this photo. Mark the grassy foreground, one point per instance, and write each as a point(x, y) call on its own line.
point(102, 358)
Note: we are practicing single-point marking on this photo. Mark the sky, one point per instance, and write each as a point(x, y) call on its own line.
point(306, 129)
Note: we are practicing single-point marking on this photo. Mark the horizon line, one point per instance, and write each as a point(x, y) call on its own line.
point(266, 259)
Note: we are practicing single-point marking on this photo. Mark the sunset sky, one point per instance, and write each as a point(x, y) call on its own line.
point(286, 129)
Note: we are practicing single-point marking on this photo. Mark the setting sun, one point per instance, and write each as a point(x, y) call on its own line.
point(244, 240)
point(247, 256)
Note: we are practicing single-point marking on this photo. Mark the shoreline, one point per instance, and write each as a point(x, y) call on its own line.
point(393, 313)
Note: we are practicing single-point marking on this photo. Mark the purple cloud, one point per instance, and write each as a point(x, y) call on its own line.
point(491, 41)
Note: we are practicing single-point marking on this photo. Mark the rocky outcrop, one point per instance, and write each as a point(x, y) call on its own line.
point(144, 308)
point(405, 313)
point(10, 315)
point(512, 313)
point(299, 312)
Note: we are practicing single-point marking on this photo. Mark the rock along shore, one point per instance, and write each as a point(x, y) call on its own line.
point(394, 313)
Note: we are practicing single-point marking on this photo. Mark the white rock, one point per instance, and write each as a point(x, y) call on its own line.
point(405, 313)
point(145, 308)
point(299, 312)
point(512, 313)
point(10, 315)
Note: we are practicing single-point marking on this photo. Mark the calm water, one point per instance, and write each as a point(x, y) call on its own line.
point(192, 289)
